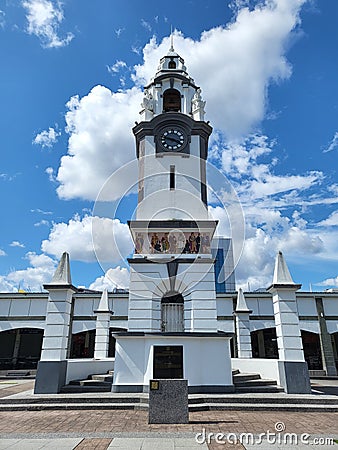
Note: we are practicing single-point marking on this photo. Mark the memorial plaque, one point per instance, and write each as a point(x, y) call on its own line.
point(168, 361)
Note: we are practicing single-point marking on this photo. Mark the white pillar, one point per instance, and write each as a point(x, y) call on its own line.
point(293, 369)
point(242, 315)
point(103, 315)
point(51, 373)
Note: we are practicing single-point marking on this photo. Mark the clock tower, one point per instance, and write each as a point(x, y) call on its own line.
point(172, 299)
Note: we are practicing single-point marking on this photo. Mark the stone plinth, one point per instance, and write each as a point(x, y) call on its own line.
point(168, 401)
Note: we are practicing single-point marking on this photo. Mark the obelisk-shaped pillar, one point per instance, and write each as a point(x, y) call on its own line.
point(52, 367)
point(293, 370)
point(103, 315)
point(242, 315)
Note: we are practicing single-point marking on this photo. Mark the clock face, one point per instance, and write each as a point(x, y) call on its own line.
point(172, 139)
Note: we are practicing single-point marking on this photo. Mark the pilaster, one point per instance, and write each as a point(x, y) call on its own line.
point(293, 369)
point(52, 367)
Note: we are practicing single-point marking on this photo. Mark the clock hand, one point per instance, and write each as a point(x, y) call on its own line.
point(177, 141)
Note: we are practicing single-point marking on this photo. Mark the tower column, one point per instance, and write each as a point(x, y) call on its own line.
point(242, 315)
point(325, 341)
point(52, 367)
point(293, 370)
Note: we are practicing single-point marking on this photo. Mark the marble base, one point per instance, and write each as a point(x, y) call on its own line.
point(168, 401)
point(50, 377)
point(294, 377)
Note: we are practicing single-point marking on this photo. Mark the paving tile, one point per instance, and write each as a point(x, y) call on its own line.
point(64, 443)
point(7, 443)
point(188, 444)
point(130, 444)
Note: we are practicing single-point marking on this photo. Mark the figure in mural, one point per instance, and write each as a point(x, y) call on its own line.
point(192, 242)
point(172, 243)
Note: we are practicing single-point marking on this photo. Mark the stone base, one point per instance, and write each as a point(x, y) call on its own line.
point(50, 377)
point(168, 401)
point(294, 377)
point(206, 361)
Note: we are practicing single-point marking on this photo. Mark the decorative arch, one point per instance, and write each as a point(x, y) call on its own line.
point(312, 351)
point(264, 343)
point(82, 344)
point(171, 100)
point(20, 348)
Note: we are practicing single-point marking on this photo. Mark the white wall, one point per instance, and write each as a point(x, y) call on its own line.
point(206, 360)
point(267, 368)
point(79, 369)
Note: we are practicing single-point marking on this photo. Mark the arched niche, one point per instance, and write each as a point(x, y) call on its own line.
point(171, 100)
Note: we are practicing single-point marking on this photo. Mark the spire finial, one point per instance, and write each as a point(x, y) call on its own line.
point(281, 273)
point(171, 40)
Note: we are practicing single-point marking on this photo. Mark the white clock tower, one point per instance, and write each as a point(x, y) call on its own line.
point(172, 320)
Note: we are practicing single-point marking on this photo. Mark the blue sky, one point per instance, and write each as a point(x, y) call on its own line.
point(71, 84)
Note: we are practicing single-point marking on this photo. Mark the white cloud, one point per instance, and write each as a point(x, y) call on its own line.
point(42, 223)
point(115, 68)
point(146, 24)
point(44, 18)
point(51, 175)
point(119, 31)
point(47, 138)
point(100, 140)
point(333, 144)
point(2, 19)
point(2, 252)
point(117, 277)
point(89, 239)
point(41, 211)
point(257, 260)
point(41, 270)
point(8, 177)
point(17, 244)
point(329, 282)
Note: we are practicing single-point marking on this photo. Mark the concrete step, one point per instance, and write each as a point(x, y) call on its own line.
point(259, 389)
point(89, 383)
point(68, 406)
point(255, 382)
point(296, 407)
point(241, 377)
point(102, 377)
point(90, 399)
point(86, 388)
point(227, 406)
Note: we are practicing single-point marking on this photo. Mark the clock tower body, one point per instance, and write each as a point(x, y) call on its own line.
point(172, 298)
point(172, 146)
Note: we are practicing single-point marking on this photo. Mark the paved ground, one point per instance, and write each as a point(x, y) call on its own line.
point(109, 429)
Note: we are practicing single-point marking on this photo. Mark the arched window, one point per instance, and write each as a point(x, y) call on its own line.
point(171, 100)
point(20, 348)
point(172, 65)
point(172, 312)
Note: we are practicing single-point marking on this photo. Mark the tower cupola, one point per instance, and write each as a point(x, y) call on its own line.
point(172, 90)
